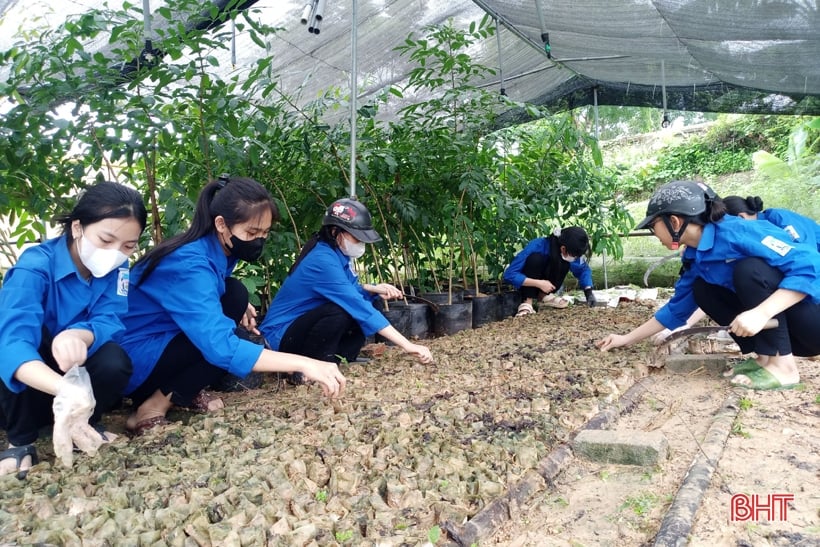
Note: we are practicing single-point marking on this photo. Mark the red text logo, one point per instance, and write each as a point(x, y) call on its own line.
point(753, 507)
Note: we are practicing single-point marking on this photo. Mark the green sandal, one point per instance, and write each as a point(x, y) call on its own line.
point(747, 365)
point(763, 380)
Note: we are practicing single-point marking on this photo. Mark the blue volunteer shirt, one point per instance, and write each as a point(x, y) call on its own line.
point(323, 275)
point(183, 294)
point(802, 229)
point(722, 245)
point(44, 289)
point(514, 276)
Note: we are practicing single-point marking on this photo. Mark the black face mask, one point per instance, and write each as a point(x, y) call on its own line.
point(249, 251)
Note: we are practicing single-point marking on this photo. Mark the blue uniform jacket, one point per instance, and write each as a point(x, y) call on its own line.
point(513, 276)
point(323, 275)
point(183, 295)
point(44, 289)
point(732, 239)
point(802, 229)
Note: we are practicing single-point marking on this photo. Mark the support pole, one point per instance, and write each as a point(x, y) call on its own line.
point(354, 85)
point(597, 135)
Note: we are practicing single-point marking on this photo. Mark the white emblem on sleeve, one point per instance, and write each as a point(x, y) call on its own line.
point(792, 232)
point(780, 247)
point(122, 281)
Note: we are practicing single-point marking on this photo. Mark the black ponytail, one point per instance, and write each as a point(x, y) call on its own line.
point(236, 199)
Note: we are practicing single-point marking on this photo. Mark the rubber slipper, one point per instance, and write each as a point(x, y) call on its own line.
point(18, 453)
point(747, 365)
point(524, 309)
point(762, 380)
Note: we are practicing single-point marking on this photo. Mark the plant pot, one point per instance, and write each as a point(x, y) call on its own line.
point(443, 297)
point(418, 321)
point(485, 309)
point(452, 318)
point(399, 317)
point(509, 304)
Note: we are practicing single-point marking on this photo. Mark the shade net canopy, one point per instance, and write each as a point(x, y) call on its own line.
point(750, 56)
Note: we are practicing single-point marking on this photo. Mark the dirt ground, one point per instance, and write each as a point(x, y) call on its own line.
point(411, 450)
point(773, 448)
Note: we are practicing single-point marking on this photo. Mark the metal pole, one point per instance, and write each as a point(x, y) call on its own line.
point(597, 133)
point(354, 85)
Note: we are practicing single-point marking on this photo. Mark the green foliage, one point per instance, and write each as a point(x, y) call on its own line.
point(640, 504)
point(434, 534)
point(728, 146)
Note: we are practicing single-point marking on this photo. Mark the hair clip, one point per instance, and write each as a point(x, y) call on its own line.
point(223, 179)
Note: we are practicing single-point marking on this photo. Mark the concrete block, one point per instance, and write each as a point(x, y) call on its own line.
point(686, 363)
point(627, 447)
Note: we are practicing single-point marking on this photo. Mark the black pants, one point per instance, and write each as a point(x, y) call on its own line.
point(798, 330)
point(26, 412)
point(181, 370)
point(537, 266)
point(326, 333)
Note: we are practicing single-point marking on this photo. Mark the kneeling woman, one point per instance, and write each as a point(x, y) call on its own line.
point(321, 310)
point(742, 274)
point(181, 327)
point(60, 308)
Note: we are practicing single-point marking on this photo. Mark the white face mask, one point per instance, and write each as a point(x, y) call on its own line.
point(100, 262)
point(568, 258)
point(353, 250)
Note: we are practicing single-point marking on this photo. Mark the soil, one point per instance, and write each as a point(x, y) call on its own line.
point(413, 452)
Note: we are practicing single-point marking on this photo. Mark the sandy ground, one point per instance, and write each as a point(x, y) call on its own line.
point(774, 448)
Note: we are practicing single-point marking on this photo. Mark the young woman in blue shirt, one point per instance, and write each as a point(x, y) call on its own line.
point(799, 227)
point(181, 326)
point(742, 274)
point(60, 307)
point(540, 268)
point(322, 310)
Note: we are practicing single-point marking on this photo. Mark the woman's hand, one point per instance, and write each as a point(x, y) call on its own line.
point(611, 341)
point(748, 323)
point(70, 349)
point(546, 286)
point(249, 320)
point(387, 291)
point(328, 376)
point(422, 353)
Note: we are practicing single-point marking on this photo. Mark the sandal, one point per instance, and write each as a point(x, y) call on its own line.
point(524, 309)
point(149, 423)
point(18, 453)
point(202, 401)
point(554, 302)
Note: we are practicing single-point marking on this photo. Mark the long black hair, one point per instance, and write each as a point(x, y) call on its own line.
point(326, 233)
point(236, 199)
point(101, 201)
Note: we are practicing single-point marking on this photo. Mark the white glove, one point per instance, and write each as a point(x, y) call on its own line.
point(73, 406)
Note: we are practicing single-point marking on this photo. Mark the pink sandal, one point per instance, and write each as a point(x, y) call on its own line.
point(524, 309)
point(554, 302)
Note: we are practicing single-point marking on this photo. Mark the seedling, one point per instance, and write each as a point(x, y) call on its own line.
point(745, 403)
point(434, 534)
point(640, 504)
point(346, 535)
point(321, 496)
